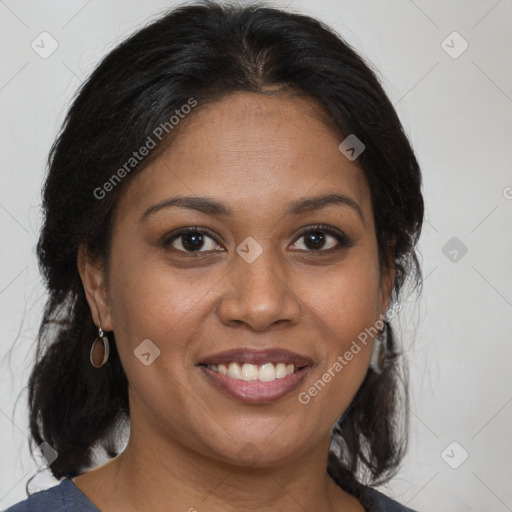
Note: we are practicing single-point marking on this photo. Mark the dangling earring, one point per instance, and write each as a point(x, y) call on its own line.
point(380, 348)
point(99, 354)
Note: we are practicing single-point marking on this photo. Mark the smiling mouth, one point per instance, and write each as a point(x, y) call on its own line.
point(266, 372)
point(256, 376)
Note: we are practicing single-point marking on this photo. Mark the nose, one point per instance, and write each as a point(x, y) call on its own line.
point(259, 295)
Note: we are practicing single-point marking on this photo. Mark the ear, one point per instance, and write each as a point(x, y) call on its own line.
point(387, 280)
point(94, 283)
point(386, 287)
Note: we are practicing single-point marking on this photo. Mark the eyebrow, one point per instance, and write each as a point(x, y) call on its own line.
point(214, 207)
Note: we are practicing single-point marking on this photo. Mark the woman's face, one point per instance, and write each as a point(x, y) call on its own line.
point(253, 169)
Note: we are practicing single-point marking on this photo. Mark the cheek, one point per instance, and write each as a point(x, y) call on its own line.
point(152, 300)
point(346, 308)
point(348, 299)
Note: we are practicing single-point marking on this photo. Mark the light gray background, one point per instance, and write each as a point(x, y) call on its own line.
point(457, 112)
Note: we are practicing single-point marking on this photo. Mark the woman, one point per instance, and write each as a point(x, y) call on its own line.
point(231, 212)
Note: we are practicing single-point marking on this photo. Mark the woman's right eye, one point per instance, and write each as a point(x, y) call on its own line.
point(192, 240)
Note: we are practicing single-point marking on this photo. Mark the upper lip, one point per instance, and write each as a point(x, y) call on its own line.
point(258, 357)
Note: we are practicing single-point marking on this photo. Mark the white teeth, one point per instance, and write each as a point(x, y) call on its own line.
point(234, 371)
point(280, 370)
point(249, 372)
point(265, 373)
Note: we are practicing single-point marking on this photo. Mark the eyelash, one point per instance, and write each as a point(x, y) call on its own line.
point(341, 238)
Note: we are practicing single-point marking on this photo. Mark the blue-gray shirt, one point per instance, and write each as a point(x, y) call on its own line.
point(67, 497)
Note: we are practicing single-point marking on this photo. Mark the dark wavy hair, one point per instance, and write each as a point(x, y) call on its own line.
point(206, 51)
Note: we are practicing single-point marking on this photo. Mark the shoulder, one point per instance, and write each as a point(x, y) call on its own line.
point(63, 497)
point(375, 501)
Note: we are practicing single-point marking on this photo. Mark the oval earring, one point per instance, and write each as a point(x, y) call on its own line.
point(384, 351)
point(100, 349)
point(378, 360)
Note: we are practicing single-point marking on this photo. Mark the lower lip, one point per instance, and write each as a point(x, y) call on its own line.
point(255, 391)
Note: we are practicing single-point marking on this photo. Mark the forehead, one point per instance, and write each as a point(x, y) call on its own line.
point(249, 149)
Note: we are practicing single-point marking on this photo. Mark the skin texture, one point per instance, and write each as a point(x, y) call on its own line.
point(255, 153)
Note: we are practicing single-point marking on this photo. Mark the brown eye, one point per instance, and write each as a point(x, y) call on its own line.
point(320, 239)
point(191, 240)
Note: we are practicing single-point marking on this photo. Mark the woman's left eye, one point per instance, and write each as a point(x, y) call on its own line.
point(320, 238)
